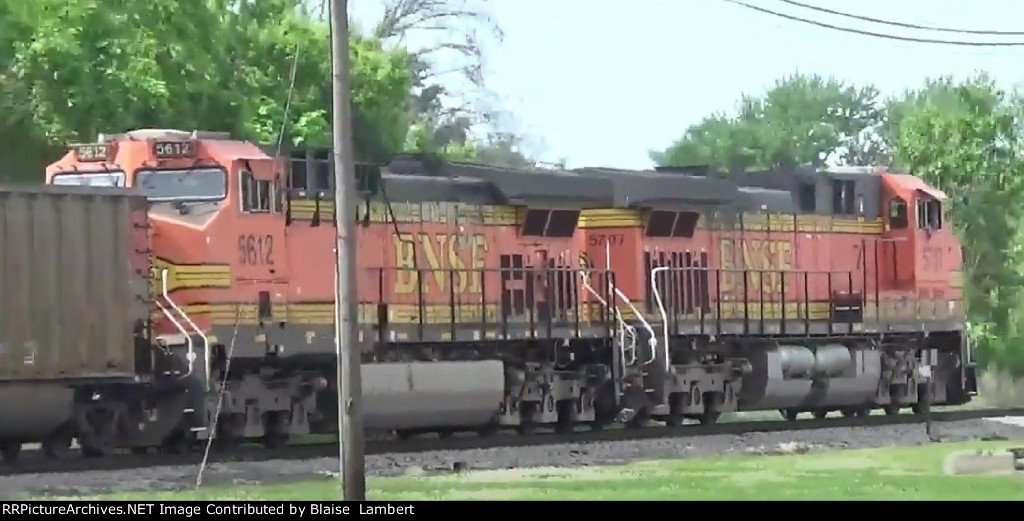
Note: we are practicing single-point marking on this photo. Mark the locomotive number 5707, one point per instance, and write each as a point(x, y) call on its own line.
point(256, 249)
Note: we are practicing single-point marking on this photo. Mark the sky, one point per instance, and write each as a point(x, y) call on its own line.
point(603, 82)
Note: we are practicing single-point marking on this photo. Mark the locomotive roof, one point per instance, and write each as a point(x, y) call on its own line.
point(513, 185)
point(417, 188)
point(420, 178)
point(766, 199)
point(413, 177)
point(654, 189)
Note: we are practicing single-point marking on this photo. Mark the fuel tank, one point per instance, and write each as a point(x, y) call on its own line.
point(811, 377)
point(431, 394)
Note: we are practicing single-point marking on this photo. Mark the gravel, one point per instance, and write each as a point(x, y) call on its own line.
point(172, 478)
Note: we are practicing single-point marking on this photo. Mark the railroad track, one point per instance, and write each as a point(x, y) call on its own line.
point(33, 462)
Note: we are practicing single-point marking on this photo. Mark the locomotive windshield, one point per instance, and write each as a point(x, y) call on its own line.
point(195, 184)
point(112, 178)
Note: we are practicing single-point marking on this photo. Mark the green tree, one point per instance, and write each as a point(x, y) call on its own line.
point(76, 68)
point(800, 121)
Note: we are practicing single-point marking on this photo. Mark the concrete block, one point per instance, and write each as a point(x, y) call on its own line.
point(980, 462)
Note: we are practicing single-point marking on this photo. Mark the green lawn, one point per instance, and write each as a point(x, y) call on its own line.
point(874, 474)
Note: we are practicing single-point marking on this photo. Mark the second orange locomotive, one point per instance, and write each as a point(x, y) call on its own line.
point(492, 297)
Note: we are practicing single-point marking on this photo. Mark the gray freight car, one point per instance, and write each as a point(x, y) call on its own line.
point(74, 304)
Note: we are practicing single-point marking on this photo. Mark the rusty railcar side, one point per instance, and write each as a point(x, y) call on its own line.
point(74, 282)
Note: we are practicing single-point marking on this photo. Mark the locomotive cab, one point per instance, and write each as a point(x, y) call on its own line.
point(89, 164)
point(923, 254)
point(214, 216)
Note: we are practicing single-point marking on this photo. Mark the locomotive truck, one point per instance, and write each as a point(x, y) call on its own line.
point(168, 286)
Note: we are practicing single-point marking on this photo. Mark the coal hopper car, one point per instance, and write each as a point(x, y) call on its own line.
point(74, 301)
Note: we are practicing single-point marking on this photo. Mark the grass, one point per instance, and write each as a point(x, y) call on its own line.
point(871, 474)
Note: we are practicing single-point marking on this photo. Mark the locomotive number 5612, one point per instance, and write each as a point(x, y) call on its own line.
point(256, 249)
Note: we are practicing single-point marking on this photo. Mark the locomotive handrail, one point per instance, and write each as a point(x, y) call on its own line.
point(847, 300)
point(653, 340)
point(181, 329)
point(755, 270)
point(622, 325)
point(191, 348)
point(661, 308)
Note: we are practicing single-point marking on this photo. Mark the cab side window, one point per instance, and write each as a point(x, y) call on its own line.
point(256, 195)
point(929, 214)
point(898, 214)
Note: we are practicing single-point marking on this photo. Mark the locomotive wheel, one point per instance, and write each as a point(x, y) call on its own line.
point(97, 430)
point(177, 442)
point(675, 410)
point(923, 402)
point(527, 428)
point(274, 440)
point(226, 444)
point(9, 451)
point(820, 414)
point(639, 420)
point(58, 444)
point(487, 430)
point(527, 425)
point(566, 416)
point(605, 409)
point(275, 434)
point(709, 417)
point(230, 432)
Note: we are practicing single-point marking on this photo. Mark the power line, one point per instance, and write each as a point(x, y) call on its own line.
point(901, 24)
point(876, 35)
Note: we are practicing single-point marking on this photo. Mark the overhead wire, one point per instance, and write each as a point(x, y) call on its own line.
point(903, 24)
point(288, 99)
point(874, 34)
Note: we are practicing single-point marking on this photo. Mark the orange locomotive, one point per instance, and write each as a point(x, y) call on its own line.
point(493, 297)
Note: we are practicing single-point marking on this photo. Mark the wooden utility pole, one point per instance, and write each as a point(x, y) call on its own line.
point(350, 426)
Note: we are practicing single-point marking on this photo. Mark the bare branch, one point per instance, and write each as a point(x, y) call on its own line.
point(454, 24)
point(455, 34)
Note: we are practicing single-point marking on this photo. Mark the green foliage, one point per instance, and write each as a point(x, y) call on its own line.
point(497, 150)
point(800, 121)
point(75, 68)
